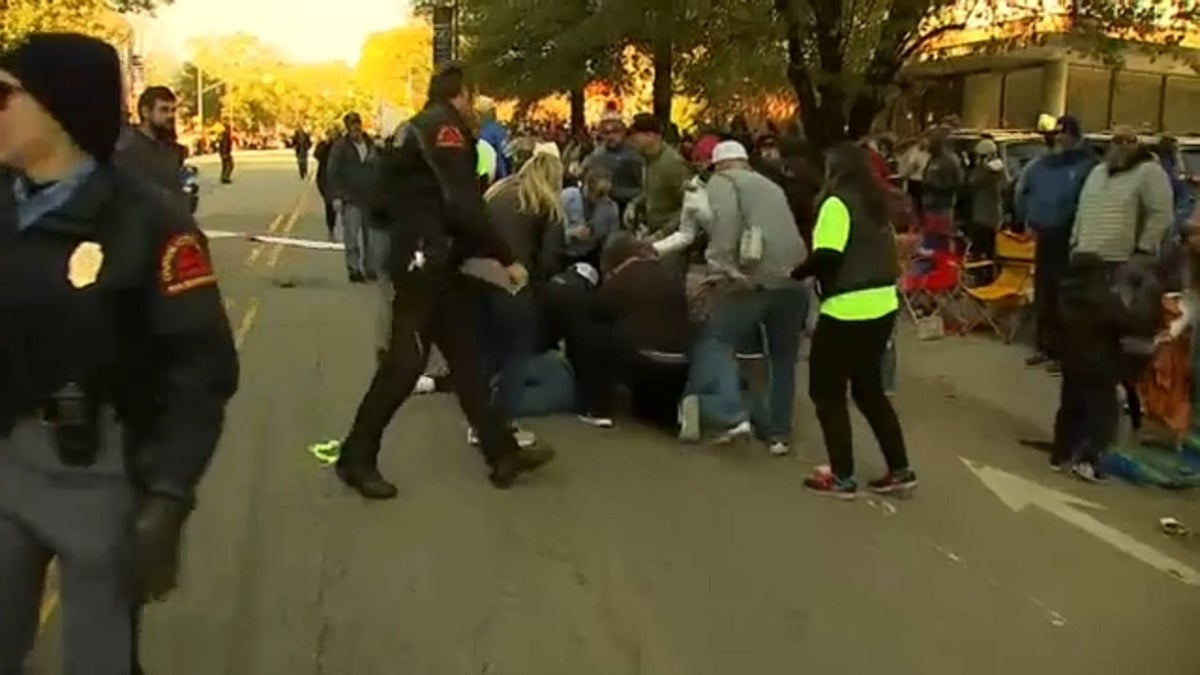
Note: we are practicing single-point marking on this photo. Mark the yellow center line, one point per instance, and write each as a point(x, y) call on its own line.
point(257, 250)
point(289, 224)
point(243, 329)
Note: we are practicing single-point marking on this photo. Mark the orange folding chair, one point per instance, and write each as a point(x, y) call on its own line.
point(1011, 288)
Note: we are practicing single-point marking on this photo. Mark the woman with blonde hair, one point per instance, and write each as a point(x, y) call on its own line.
point(525, 209)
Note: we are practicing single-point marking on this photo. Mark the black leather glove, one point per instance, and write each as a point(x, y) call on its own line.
point(159, 531)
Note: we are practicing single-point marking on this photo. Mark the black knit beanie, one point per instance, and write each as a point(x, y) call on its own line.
point(77, 79)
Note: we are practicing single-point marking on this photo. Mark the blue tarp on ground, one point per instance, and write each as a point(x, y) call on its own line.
point(1157, 465)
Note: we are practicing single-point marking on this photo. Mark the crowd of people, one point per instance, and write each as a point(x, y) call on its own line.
point(681, 274)
point(681, 267)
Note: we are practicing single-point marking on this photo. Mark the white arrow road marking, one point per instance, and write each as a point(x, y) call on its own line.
point(1018, 493)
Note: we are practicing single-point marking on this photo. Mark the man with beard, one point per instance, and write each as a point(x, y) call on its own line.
point(149, 149)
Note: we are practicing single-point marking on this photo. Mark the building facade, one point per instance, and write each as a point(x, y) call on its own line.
point(965, 75)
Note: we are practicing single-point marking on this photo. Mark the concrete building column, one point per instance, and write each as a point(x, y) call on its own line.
point(982, 94)
point(1054, 87)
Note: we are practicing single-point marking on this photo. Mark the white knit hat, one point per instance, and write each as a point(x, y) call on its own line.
point(727, 150)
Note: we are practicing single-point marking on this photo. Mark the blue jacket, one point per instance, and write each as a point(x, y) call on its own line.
point(1047, 191)
point(497, 137)
point(601, 217)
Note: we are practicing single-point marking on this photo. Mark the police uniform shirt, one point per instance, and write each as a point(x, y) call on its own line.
point(104, 285)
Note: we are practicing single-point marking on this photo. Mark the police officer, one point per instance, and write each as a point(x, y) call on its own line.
point(429, 192)
point(116, 360)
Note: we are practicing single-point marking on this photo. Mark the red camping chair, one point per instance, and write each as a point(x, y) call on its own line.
point(933, 286)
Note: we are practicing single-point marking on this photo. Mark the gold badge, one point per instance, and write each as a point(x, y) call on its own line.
point(84, 266)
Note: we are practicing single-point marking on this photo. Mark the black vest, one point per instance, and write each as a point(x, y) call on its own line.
point(870, 258)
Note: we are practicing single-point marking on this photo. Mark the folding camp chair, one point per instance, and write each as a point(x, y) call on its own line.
point(933, 287)
point(1011, 288)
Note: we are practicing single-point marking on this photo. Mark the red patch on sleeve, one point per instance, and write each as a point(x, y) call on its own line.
point(448, 136)
point(185, 266)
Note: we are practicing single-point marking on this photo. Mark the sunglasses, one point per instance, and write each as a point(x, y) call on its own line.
point(7, 92)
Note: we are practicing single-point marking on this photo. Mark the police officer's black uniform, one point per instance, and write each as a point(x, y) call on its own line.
point(430, 194)
point(116, 363)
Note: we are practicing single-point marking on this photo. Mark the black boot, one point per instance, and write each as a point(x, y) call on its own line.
point(365, 480)
point(505, 470)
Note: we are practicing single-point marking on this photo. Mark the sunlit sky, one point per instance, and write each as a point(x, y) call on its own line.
point(312, 31)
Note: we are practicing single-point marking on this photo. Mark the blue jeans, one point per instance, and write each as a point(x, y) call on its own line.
point(508, 322)
point(548, 388)
point(715, 376)
point(354, 237)
point(379, 247)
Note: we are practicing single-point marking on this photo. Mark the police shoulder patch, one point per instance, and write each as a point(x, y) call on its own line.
point(184, 265)
point(448, 136)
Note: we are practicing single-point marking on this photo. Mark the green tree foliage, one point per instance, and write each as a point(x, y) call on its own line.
point(840, 58)
point(394, 66)
point(527, 49)
point(19, 18)
point(251, 85)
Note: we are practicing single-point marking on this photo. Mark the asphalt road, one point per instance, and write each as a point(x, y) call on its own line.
point(631, 555)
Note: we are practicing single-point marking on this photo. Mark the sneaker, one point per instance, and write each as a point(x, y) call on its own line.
point(894, 481)
point(779, 449)
point(598, 421)
point(525, 439)
point(425, 385)
point(1089, 472)
point(1059, 465)
point(689, 419)
point(828, 485)
point(739, 432)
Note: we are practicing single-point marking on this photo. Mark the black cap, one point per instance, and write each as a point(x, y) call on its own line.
point(645, 123)
point(77, 79)
point(1068, 125)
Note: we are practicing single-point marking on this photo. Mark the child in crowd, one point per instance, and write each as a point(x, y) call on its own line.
point(1095, 321)
point(591, 216)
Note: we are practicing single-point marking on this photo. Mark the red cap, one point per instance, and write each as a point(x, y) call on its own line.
point(703, 151)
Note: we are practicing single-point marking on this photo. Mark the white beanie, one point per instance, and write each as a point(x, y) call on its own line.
point(727, 150)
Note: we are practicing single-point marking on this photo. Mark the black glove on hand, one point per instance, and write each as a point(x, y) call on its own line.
point(159, 530)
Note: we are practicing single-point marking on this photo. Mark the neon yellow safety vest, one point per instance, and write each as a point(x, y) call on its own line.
point(486, 167)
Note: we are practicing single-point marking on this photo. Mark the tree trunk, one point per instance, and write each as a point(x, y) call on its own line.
point(863, 110)
point(663, 53)
point(578, 121)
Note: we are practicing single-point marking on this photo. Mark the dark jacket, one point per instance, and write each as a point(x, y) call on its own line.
point(158, 163)
point(801, 183)
point(1095, 321)
point(351, 174)
point(647, 304)
point(145, 333)
point(321, 154)
point(430, 198)
point(536, 241)
point(562, 302)
point(625, 166)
